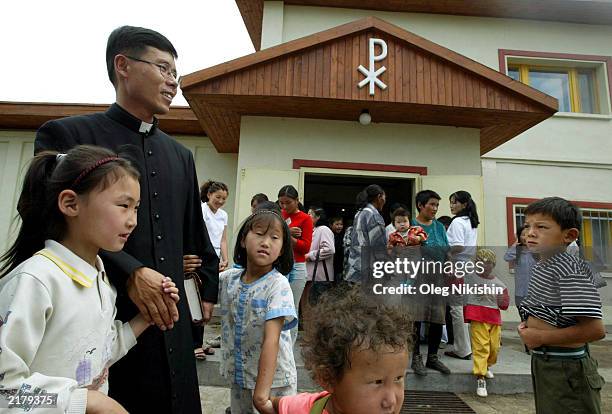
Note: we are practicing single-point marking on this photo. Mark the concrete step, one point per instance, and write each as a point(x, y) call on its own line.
point(512, 372)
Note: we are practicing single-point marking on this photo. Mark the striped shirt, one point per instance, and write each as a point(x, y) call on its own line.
point(561, 289)
point(368, 236)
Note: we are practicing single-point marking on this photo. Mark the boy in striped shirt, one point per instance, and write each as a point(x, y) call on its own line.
point(562, 313)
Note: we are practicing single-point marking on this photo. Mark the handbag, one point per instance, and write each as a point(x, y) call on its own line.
point(319, 287)
point(194, 300)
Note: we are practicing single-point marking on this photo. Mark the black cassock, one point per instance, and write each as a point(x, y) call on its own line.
point(158, 375)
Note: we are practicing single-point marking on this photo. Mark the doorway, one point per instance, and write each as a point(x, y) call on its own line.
point(336, 193)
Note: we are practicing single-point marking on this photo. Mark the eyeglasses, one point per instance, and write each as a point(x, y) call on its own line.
point(164, 68)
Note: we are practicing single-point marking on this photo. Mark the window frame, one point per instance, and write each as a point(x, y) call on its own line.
point(524, 70)
point(565, 61)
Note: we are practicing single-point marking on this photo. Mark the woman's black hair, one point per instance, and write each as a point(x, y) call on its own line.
point(322, 215)
point(211, 186)
point(470, 209)
point(368, 195)
point(265, 218)
point(259, 198)
point(83, 169)
point(290, 191)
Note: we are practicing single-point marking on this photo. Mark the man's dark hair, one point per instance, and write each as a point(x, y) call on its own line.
point(133, 41)
point(424, 196)
point(564, 213)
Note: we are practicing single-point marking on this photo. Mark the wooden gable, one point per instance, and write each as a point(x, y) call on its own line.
point(317, 77)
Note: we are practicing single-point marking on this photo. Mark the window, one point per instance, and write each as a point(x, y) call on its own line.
point(574, 87)
point(595, 236)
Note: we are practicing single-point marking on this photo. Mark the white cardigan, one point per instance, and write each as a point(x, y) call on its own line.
point(58, 331)
point(323, 242)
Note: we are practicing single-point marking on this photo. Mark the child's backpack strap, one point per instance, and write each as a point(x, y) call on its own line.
point(319, 405)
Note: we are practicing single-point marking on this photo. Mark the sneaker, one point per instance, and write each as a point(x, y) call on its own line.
point(489, 374)
point(417, 365)
point(481, 387)
point(434, 363)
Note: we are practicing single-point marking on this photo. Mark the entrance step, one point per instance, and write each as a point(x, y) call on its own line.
point(512, 372)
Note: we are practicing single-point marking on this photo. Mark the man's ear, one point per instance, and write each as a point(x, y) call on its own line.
point(68, 203)
point(121, 64)
point(570, 235)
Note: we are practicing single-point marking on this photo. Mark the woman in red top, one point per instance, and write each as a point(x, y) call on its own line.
point(300, 225)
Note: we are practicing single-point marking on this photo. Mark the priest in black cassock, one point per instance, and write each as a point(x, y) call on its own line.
point(158, 375)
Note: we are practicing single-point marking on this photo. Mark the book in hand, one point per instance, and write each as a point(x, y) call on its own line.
point(192, 291)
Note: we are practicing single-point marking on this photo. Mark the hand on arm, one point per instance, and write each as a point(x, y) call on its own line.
point(267, 365)
point(154, 305)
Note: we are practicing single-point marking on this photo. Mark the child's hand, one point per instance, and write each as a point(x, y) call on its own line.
point(191, 263)
point(222, 265)
point(98, 403)
point(264, 407)
point(531, 337)
point(170, 289)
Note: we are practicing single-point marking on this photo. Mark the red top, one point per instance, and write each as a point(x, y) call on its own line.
point(485, 314)
point(302, 245)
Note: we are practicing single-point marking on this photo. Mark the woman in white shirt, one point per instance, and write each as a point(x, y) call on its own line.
point(462, 236)
point(214, 195)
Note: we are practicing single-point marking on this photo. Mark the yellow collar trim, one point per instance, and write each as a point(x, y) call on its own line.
point(70, 271)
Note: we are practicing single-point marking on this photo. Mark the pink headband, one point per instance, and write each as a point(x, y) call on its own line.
point(88, 170)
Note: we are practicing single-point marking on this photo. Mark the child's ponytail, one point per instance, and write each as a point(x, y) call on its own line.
point(34, 212)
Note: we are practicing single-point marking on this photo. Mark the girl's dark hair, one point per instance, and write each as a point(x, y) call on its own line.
point(259, 198)
point(265, 218)
point(368, 195)
point(470, 208)
point(211, 186)
point(83, 169)
point(400, 212)
point(358, 323)
point(320, 213)
point(268, 205)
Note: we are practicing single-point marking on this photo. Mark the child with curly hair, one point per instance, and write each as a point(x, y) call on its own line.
point(359, 357)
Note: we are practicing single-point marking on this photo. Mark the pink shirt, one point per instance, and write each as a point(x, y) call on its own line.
point(300, 404)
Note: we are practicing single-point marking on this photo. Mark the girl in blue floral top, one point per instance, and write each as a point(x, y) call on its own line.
point(257, 313)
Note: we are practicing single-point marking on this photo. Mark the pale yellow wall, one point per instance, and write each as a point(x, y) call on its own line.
point(268, 147)
point(17, 147)
point(560, 138)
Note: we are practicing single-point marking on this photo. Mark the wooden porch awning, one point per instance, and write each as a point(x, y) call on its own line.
point(317, 77)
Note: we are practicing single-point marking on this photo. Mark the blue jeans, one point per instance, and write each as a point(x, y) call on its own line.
point(297, 281)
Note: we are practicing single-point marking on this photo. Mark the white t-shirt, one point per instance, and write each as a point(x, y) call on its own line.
point(215, 224)
point(461, 233)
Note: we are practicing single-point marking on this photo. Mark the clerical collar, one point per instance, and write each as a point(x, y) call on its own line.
point(118, 114)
